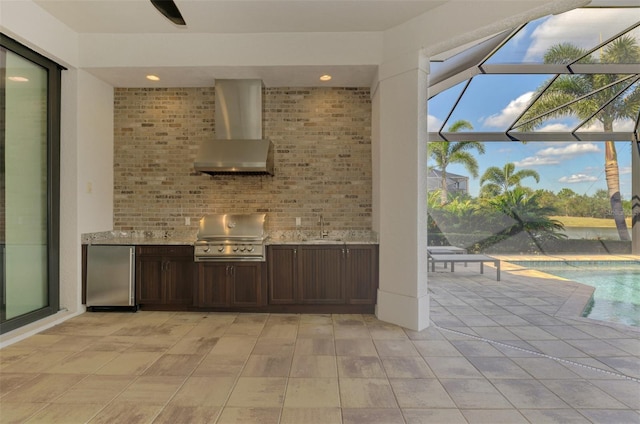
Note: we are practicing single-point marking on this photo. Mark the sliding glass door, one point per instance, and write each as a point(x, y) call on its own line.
point(29, 158)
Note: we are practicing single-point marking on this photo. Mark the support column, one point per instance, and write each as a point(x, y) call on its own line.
point(400, 187)
point(635, 197)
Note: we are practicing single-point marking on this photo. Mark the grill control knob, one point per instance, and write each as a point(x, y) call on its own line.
point(250, 249)
point(220, 248)
point(207, 249)
point(235, 248)
point(243, 248)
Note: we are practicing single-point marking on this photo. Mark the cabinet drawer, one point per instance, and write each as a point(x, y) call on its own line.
point(165, 250)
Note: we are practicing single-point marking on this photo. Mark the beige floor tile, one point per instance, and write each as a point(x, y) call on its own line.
point(85, 362)
point(421, 393)
point(611, 416)
point(436, 348)
point(312, 393)
point(530, 394)
point(37, 363)
point(173, 414)
point(18, 413)
point(95, 389)
point(578, 394)
point(267, 366)
point(193, 345)
point(315, 330)
point(220, 366)
point(38, 341)
point(456, 367)
point(475, 393)
point(406, 367)
point(13, 381)
point(314, 366)
point(433, 416)
point(175, 365)
point(494, 416)
point(387, 332)
point(316, 319)
point(65, 413)
point(372, 416)
point(355, 347)
point(43, 388)
point(154, 390)
point(258, 392)
point(10, 355)
point(311, 416)
point(555, 416)
point(498, 368)
point(234, 345)
point(351, 332)
point(126, 412)
point(73, 343)
point(244, 329)
point(360, 367)
point(275, 347)
point(280, 331)
point(207, 391)
point(348, 319)
point(235, 415)
point(208, 329)
point(366, 393)
point(129, 363)
point(395, 347)
point(315, 346)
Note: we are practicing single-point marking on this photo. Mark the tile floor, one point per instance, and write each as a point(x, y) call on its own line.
point(512, 351)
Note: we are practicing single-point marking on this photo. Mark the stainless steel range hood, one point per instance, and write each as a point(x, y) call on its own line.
point(238, 146)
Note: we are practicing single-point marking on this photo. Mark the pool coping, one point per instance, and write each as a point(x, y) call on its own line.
point(578, 301)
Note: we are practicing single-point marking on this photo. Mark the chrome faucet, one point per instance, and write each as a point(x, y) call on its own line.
point(323, 233)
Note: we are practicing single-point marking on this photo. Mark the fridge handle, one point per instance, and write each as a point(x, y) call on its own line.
point(132, 255)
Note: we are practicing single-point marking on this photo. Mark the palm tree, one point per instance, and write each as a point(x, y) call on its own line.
point(445, 153)
point(568, 88)
point(496, 181)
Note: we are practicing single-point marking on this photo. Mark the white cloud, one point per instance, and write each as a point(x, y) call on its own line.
point(577, 178)
point(554, 155)
point(433, 123)
point(536, 161)
point(625, 170)
point(582, 27)
point(569, 151)
point(556, 128)
point(509, 114)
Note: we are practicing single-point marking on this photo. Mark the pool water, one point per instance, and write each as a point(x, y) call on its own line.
point(617, 295)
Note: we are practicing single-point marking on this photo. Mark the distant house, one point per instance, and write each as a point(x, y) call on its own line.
point(455, 183)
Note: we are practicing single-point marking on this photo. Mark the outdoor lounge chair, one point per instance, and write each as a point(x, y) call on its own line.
point(466, 258)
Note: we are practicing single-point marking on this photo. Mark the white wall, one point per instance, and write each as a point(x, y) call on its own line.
point(95, 154)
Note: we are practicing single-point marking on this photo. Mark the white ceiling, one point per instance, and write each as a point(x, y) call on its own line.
point(218, 17)
point(236, 16)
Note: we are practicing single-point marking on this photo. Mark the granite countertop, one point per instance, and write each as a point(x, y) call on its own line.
point(188, 238)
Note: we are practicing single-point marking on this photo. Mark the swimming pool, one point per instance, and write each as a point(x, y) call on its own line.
point(617, 284)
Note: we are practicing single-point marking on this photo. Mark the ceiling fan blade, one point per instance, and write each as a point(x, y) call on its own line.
point(169, 9)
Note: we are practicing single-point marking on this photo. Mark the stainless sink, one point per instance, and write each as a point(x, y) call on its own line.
point(323, 241)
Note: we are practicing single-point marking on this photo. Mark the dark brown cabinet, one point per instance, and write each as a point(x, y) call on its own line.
point(164, 276)
point(230, 284)
point(323, 274)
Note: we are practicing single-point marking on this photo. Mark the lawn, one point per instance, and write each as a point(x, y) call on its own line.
point(579, 221)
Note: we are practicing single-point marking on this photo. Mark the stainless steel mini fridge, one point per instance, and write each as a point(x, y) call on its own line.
point(111, 278)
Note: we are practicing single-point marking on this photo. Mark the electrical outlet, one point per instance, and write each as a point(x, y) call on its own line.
point(298, 221)
point(187, 220)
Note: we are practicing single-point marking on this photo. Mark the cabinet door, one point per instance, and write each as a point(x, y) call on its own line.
point(179, 280)
point(246, 284)
point(283, 270)
point(361, 274)
point(320, 274)
point(149, 284)
point(213, 287)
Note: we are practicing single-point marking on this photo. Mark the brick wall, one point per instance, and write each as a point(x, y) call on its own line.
point(322, 146)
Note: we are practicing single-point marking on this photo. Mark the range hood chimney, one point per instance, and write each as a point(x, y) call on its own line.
point(238, 146)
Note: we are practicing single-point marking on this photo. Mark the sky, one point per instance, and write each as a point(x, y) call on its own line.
point(492, 103)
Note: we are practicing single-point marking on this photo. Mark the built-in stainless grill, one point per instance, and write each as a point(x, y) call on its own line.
point(231, 237)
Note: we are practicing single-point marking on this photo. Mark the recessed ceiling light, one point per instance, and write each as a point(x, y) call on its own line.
point(153, 78)
point(325, 77)
point(18, 79)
